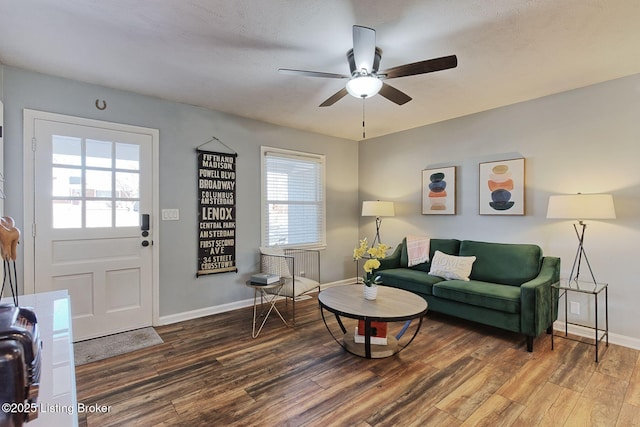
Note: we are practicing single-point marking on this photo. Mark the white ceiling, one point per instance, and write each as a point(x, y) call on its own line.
point(224, 54)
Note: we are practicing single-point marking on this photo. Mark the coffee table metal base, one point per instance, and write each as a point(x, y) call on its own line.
point(377, 351)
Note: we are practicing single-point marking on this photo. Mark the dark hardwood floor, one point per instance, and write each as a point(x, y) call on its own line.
point(210, 372)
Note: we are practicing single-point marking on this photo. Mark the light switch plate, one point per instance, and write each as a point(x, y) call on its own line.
point(170, 214)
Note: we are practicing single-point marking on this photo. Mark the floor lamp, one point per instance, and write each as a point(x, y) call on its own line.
point(377, 209)
point(580, 207)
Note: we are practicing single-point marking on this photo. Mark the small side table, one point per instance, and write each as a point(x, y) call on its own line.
point(564, 288)
point(271, 299)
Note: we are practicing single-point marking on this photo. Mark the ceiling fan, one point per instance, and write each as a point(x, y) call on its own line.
point(365, 79)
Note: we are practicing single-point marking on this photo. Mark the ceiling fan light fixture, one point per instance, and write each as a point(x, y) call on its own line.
point(364, 86)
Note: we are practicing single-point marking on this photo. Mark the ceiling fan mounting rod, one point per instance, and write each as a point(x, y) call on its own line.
point(363, 72)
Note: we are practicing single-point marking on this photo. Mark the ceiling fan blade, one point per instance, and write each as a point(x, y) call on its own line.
point(335, 98)
point(364, 47)
point(394, 95)
point(421, 67)
point(312, 73)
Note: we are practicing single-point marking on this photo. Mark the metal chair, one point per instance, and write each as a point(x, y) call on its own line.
point(300, 269)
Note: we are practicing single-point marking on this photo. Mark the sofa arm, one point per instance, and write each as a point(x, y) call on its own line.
point(391, 261)
point(537, 312)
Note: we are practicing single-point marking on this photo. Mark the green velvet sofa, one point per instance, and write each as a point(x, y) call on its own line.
point(509, 286)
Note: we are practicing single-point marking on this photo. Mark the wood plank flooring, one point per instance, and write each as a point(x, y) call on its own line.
point(210, 372)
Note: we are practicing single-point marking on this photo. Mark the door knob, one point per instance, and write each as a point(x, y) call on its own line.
point(145, 243)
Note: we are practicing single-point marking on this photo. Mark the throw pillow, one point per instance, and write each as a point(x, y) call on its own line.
point(451, 267)
point(275, 263)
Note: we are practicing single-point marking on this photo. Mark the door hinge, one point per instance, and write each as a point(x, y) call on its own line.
point(33, 230)
point(34, 144)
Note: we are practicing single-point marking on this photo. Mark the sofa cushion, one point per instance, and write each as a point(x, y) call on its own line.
point(410, 280)
point(504, 263)
point(451, 267)
point(448, 246)
point(481, 294)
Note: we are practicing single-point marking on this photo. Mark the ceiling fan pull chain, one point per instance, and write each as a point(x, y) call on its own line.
point(363, 126)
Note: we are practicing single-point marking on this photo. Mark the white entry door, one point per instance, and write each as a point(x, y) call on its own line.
point(92, 210)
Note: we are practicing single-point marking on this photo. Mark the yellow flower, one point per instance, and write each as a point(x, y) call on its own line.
point(359, 252)
point(379, 251)
point(371, 264)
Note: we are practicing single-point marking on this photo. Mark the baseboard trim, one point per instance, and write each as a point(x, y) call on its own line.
point(223, 308)
point(202, 312)
point(582, 331)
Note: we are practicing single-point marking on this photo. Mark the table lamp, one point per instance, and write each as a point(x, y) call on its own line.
point(580, 207)
point(377, 209)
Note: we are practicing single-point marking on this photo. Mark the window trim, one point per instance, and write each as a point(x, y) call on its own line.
point(321, 158)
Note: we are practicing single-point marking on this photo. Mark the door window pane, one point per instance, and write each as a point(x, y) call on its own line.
point(98, 184)
point(66, 182)
point(98, 153)
point(127, 185)
point(127, 214)
point(67, 213)
point(127, 156)
point(66, 150)
point(98, 213)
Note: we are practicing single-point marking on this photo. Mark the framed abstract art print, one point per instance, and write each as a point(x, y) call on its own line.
point(502, 187)
point(439, 191)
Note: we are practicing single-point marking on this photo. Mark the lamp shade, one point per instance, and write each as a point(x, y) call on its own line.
point(377, 208)
point(581, 206)
point(364, 86)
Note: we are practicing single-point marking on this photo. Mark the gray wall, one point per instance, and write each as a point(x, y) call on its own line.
point(586, 140)
point(182, 128)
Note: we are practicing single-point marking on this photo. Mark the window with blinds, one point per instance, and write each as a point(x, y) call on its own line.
point(293, 198)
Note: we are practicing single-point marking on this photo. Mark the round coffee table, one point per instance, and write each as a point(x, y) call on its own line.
point(391, 305)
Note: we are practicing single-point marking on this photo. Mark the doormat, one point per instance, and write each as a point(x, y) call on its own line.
point(113, 345)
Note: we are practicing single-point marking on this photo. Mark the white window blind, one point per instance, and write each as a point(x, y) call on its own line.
point(293, 197)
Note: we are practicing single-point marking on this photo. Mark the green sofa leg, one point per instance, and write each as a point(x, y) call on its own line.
point(529, 344)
